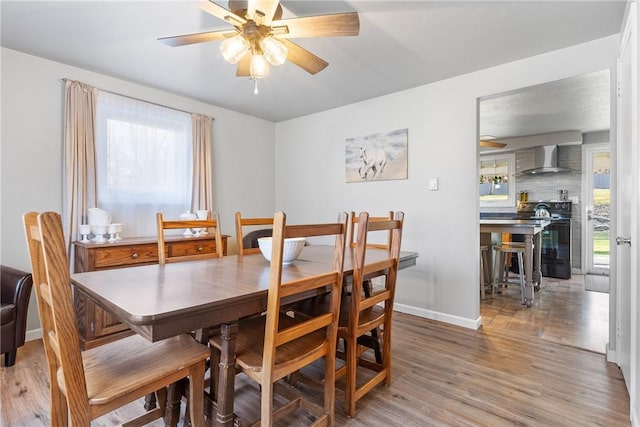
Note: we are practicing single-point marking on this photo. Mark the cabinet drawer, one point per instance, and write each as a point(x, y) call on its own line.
point(126, 255)
point(191, 248)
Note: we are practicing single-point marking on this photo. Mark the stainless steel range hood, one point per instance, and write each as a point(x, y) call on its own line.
point(545, 160)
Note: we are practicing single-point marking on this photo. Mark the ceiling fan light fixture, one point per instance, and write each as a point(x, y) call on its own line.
point(234, 48)
point(274, 50)
point(259, 67)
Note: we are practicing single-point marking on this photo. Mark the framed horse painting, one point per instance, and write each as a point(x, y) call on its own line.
point(377, 157)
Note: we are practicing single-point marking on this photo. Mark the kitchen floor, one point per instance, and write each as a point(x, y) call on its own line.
point(562, 312)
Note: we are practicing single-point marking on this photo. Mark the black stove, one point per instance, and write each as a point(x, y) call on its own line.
point(556, 237)
point(558, 210)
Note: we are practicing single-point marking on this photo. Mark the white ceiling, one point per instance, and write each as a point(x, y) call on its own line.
point(402, 44)
point(580, 103)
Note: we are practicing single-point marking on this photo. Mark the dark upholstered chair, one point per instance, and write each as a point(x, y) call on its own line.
point(251, 239)
point(14, 301)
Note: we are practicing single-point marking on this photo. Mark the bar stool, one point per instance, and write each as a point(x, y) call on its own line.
point(502, 251)
point(484, 261)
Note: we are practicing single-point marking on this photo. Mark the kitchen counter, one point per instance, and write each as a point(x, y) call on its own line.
point(515, 222)
point(531, 229)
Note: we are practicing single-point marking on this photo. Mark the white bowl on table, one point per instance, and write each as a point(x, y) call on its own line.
point(292, 248)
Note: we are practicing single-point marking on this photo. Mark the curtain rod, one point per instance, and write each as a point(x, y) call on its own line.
point(64, 79)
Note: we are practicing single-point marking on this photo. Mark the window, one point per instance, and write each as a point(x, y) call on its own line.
point(144, 161)
point(497, 185)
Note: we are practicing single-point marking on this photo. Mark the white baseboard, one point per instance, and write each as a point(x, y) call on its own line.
point(442, 317)
point(611, 354)
point(33, 334)
point(635, 420)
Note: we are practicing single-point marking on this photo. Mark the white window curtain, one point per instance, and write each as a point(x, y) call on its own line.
point(144, 162)
point(202, 197)
point(79, 183)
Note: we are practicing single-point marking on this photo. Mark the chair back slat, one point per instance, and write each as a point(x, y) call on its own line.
point(248, 222)
point(374, 299)
point(212, 224)
point(331, 279)
point(50, 266)
point(353, 225)
point(300, 330)
point(377, 266)
point(298, 286)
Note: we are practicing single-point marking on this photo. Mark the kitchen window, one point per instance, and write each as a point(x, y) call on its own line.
point(497, 180)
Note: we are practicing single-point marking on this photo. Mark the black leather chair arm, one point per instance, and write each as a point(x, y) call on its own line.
point(15, 290)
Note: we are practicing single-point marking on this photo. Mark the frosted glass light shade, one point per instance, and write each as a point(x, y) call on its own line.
point(259, 67)
point(234, 48)
point(274, 50)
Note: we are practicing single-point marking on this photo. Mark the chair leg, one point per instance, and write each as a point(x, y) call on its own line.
point(330, 389)
point(59, 409)
point(482, 284)
point(497, 269)
point(266, 402)
point(196, 395)
point(522, 284)
point(352, 365)
point(386, 348)
point(10, 357)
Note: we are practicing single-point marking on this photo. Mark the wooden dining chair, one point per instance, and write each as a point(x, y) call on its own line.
point(168, 254)
point(373, 340)
point(363, 312)
point(271, 347)
point(86, 385)
point(243, 247)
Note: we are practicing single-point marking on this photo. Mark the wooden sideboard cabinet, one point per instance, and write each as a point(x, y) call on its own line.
point(95, 325)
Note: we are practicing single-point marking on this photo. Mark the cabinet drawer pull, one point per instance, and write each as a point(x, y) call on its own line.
point(200, 249)
point(135, 255)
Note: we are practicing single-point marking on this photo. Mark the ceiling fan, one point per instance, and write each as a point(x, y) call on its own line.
point(488, 141)
point(261, 37)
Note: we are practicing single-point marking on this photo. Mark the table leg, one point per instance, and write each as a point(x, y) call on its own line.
point(528, 286)
point(226, 375)
point(537, 278)
point(150, 401)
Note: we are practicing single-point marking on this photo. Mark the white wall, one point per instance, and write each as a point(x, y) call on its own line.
point(442, 121)
point(31, 150)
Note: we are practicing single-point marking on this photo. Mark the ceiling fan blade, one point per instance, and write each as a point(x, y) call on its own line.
point(337, 24)
point(303, 58)
point(243, 69)
point(222, 13)
point(262, 11)
point(196, 38)
point(492, 144)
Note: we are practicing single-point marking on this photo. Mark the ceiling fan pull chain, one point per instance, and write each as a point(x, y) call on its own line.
point(255, 86)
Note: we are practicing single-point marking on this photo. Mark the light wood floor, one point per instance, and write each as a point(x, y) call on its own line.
point(443, 375)
point(562, 312)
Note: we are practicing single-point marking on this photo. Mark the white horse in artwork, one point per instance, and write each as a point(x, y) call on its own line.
point(373, 161)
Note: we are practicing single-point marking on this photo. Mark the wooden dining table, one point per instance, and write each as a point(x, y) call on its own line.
point(161, 301)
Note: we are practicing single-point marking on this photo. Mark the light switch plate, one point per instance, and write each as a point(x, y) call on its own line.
point(433, 184)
